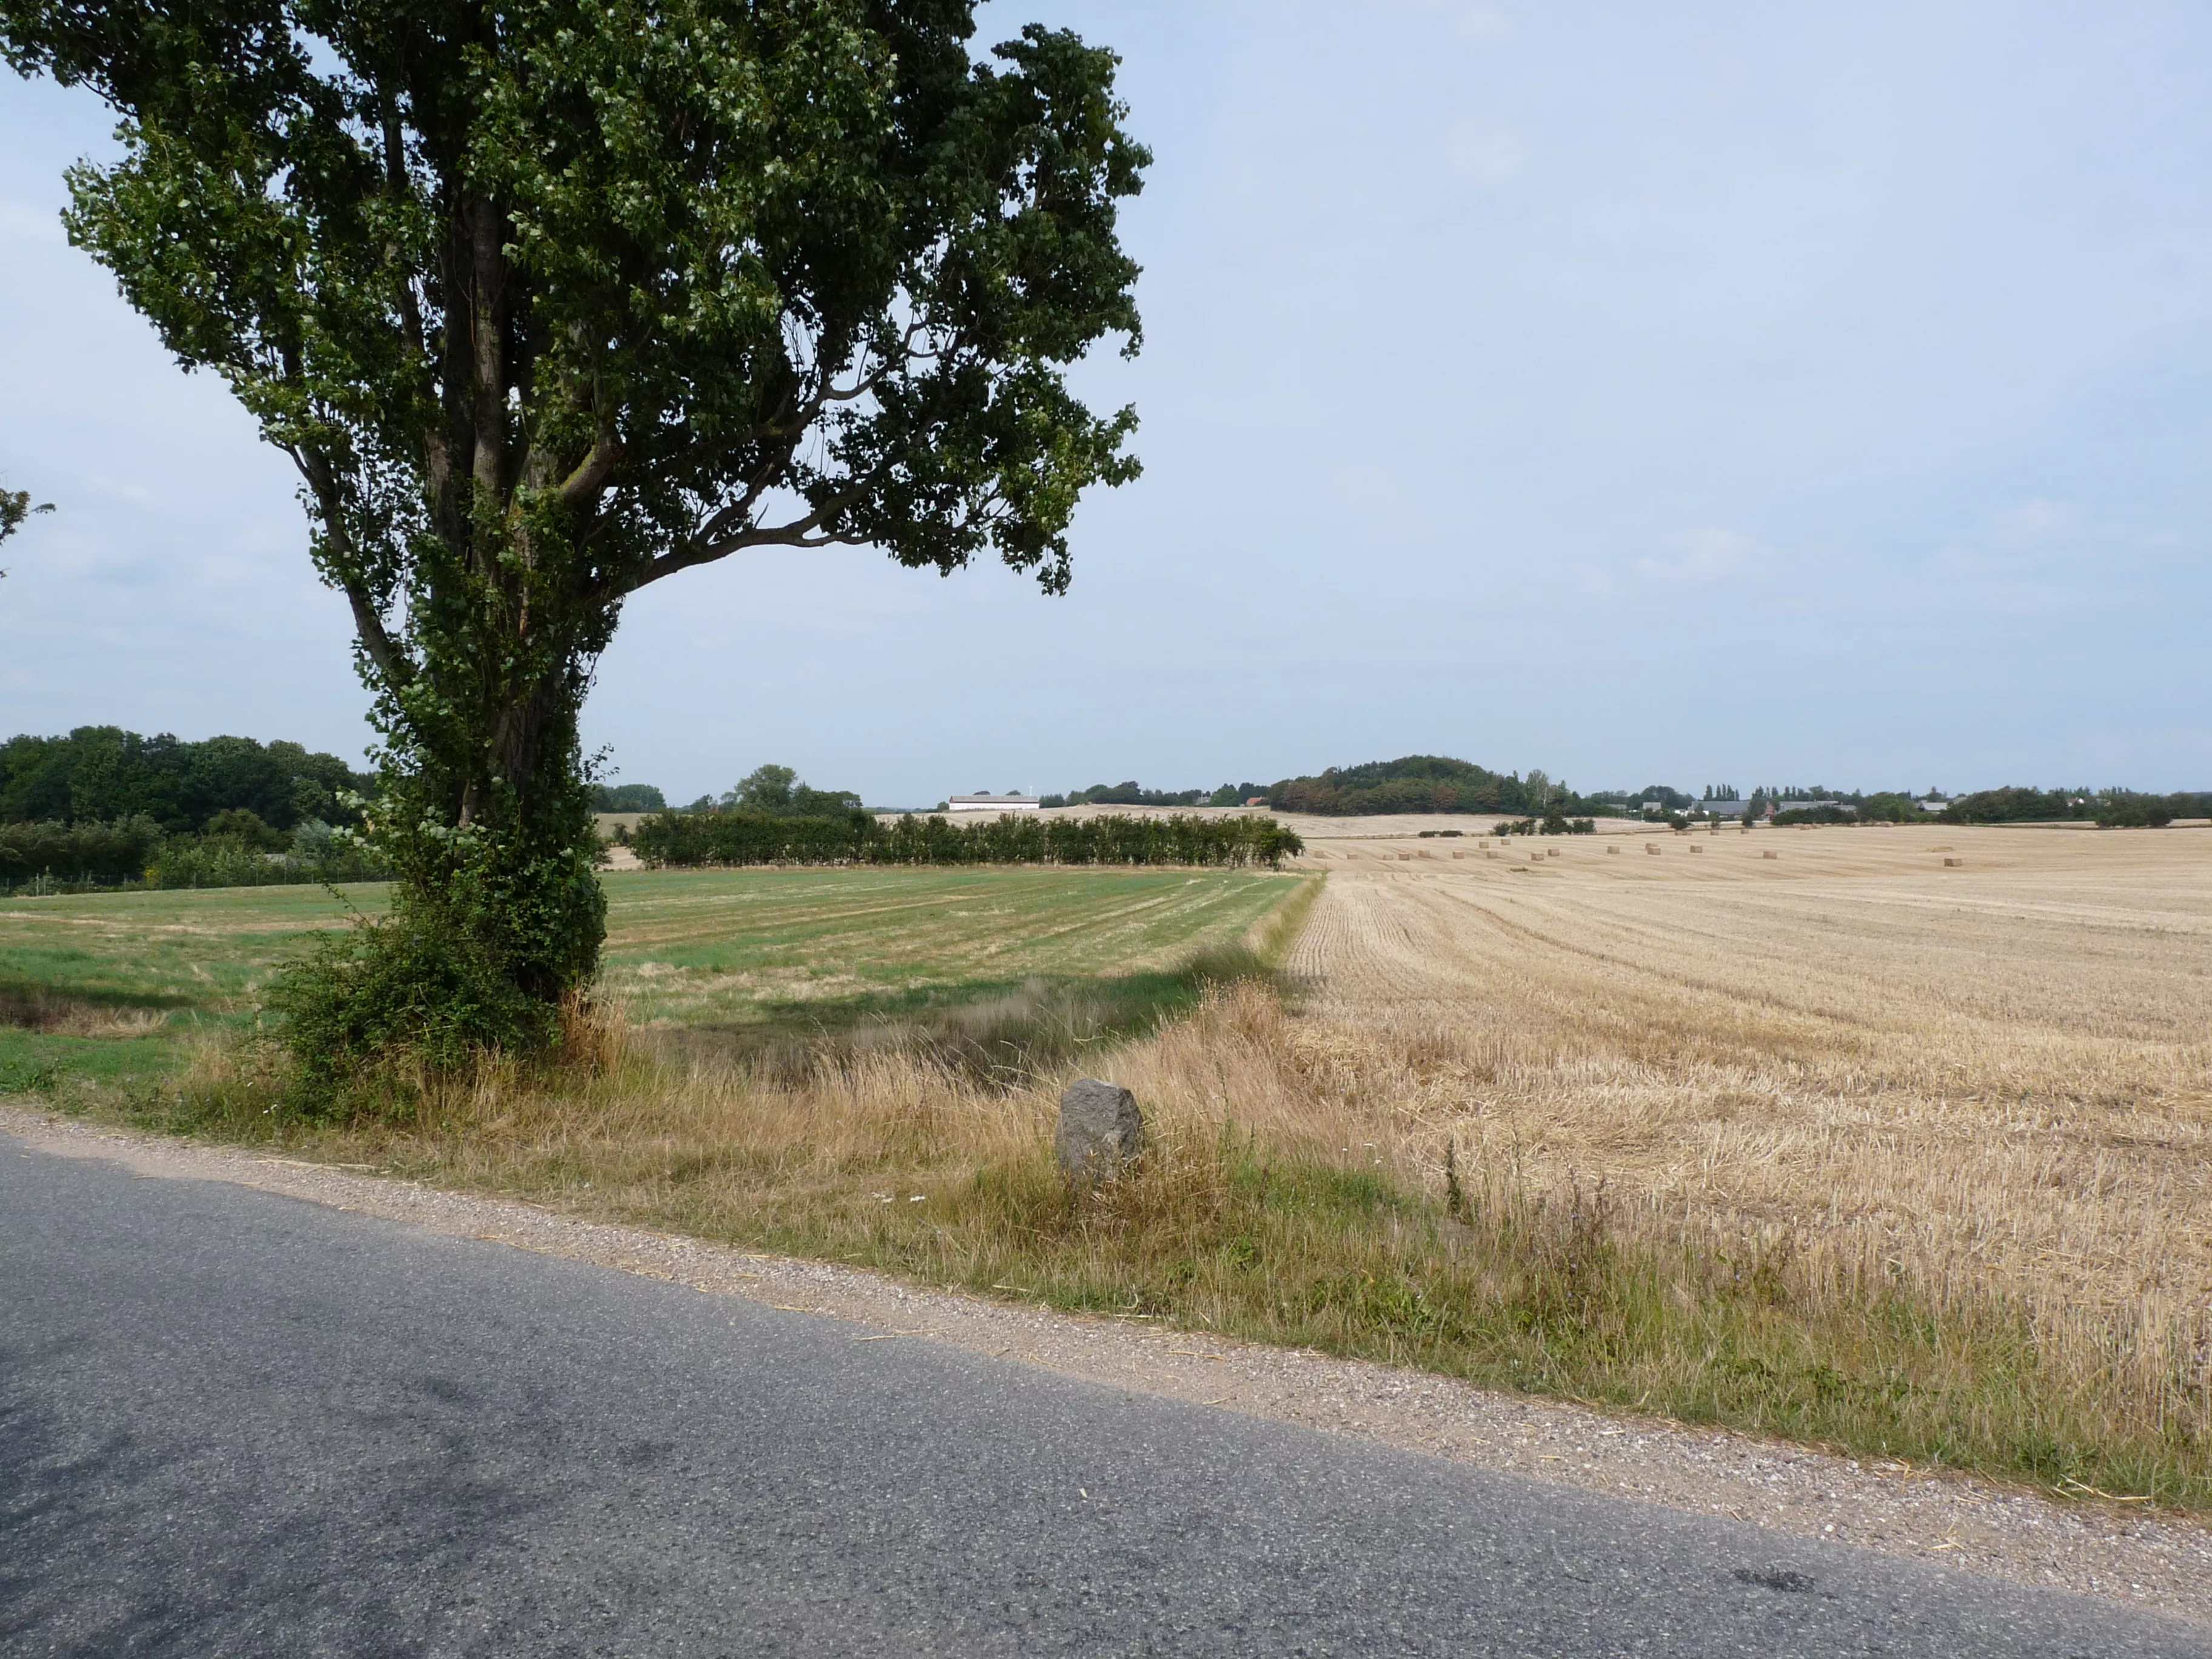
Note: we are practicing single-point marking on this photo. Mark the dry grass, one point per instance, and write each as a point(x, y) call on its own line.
point(1988, 1082)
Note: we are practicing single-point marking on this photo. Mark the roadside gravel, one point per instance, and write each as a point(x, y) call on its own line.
point(2121, 1551)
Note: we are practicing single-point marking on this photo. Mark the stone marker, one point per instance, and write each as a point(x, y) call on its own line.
point(1100, 1129)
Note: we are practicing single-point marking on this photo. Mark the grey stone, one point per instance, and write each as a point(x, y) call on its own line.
point(1100, 1129)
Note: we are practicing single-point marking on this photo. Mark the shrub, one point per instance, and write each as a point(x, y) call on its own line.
point(372, 1014)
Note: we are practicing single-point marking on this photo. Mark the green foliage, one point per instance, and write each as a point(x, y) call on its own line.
point(550, 302)
point(1552, 823)
point(371, 1013)
point(627, 798)
point(312, 853)
point(777, 791)
point(2121, 810)
point(1820, 812)
point(15, 507)
point(765, 789)
point(1420, 783)
point(105, 773)
point(1888, 806)
point(76, 853)
point(242, 824)
point(678, 838)
point(2014, 805)
point(1128, 793)
point(2111, 808)
point(239, 851)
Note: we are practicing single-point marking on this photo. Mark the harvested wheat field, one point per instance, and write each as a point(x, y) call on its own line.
point(1979, 1060)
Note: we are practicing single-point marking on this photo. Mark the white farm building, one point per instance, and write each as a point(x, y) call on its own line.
point(988, 802)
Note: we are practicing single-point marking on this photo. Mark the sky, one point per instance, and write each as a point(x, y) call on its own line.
point(1695, 394)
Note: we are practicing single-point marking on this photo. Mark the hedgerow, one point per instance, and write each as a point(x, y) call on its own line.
point(84, 852)
point(132, 852)
point(686, 839)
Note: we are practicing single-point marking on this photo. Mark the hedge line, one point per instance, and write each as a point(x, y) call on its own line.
point(134, 852)
point(682, 838)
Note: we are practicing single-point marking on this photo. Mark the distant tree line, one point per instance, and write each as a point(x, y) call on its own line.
point(627, 798)
point(1130, 794)
point(236, 849)
point(738, 838)
point(2112, 808)
point(103, 774)
point(106, 807)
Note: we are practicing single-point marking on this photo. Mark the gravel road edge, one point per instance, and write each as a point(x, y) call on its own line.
point(2151, 1560)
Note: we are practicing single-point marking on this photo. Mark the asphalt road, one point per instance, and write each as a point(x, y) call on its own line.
point(235, 1424)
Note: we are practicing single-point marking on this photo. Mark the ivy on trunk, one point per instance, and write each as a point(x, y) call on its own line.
point(550, 301)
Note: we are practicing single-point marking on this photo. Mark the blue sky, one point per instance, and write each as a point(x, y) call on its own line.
point(1696, 393)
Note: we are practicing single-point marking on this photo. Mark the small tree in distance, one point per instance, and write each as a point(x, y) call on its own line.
point(550, 301)
point(15, 507)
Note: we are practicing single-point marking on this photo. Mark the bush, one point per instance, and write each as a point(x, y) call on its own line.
point(372, 1014)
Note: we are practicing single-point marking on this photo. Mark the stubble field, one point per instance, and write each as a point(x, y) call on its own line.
point(1986, 1078)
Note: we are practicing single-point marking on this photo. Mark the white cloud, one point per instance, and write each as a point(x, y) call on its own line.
point(1707, 555)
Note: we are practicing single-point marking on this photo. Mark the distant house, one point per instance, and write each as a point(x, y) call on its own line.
point(1934, 804)
point(988, 802)
point(1724, 808)
point(1256, 800)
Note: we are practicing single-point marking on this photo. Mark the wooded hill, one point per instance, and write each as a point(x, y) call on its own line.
point(1423, 783)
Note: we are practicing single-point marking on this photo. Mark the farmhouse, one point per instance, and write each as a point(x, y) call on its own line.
point(988, 802)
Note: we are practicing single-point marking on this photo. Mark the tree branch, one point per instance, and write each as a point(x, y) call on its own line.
point(367, 622)
point(799, 532)
point(581, 487)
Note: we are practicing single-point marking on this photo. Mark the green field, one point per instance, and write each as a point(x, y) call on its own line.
point(107, 988)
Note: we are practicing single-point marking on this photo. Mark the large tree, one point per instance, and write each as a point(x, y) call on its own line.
point(551, 300)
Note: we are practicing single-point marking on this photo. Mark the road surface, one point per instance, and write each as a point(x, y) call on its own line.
point(236, 1424)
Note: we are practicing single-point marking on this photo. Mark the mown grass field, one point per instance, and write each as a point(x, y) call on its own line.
point(110, 989)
